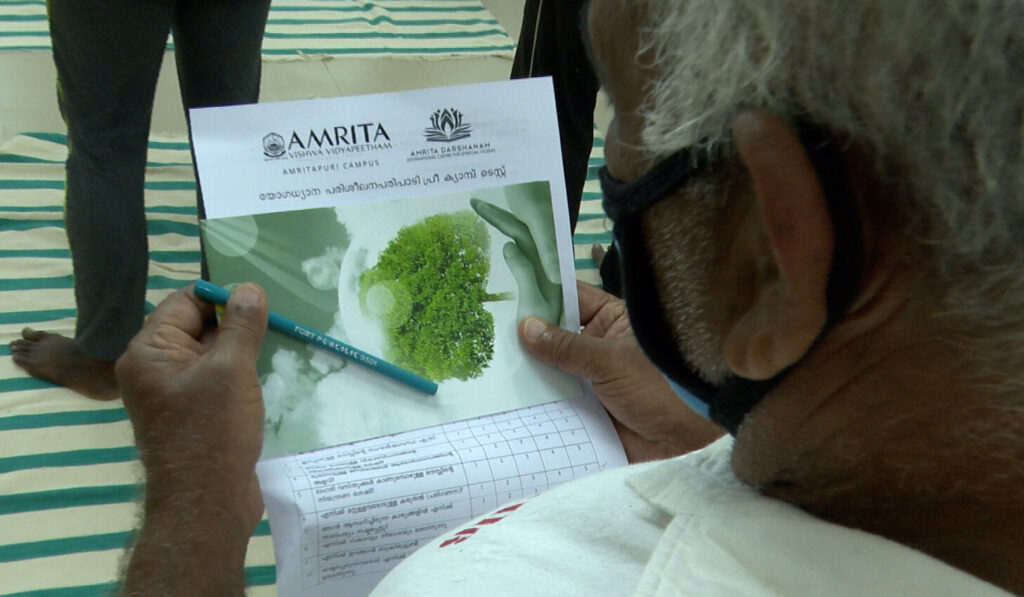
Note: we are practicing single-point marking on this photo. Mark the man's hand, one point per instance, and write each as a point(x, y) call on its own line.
point(651, 420)
point(193, 396)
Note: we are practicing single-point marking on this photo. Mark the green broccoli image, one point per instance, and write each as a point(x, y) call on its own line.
point(427, 292)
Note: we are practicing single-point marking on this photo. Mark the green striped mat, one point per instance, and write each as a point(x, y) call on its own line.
point(298, 28)
point(68, 470)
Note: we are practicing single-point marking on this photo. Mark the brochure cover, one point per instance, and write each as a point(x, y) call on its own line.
point(434, 285)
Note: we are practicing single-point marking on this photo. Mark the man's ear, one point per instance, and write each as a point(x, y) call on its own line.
point(788, 310)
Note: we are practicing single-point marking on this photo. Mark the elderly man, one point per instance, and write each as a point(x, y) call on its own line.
point(819, 208)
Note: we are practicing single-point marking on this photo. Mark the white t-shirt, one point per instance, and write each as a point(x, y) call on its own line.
point(684, 526)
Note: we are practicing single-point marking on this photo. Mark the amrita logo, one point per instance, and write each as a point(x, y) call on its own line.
point(273, 145)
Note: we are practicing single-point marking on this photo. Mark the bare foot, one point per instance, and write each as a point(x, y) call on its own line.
point(56, 358)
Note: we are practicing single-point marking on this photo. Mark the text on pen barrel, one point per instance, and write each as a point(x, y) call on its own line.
point(337, 347)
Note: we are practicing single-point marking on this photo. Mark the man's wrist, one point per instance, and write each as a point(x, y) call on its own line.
point(222, 500)
point(193, 539)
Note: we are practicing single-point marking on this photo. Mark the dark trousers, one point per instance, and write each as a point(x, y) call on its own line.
point(108, 54)
point(551, 44)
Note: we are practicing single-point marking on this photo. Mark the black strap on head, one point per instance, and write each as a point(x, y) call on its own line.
point(626, 199)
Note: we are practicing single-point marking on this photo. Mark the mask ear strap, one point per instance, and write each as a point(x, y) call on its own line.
point(650, 326)
point(728, 403)
point(848, 244)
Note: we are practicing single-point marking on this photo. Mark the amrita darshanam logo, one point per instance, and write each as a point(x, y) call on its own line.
point(446, 126)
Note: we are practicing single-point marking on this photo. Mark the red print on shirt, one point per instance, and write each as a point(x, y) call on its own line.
point(468, 532)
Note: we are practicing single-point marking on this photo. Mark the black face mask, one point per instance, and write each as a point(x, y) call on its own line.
point(726, 403)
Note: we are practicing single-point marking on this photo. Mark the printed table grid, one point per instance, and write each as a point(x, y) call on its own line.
point(518, 454)
point(500, 458)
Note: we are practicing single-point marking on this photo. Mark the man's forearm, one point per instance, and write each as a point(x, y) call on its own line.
point(194, 545)
point(194, 399)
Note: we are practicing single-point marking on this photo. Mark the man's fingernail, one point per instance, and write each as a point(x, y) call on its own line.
point(533, 329)
point(246, 295)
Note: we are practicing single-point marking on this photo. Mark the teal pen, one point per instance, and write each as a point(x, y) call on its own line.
point(215, 294)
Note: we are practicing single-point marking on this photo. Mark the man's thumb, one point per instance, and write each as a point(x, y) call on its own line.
point(244, 323)
point(572, 353)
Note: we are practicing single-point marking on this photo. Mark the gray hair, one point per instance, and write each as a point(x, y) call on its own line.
point(933, 90)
